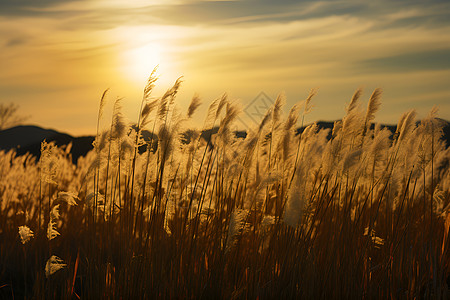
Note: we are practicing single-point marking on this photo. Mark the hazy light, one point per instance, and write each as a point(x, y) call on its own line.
point(139, 62)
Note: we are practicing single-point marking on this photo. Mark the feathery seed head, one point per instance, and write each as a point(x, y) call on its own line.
point(119, 128)
point(102, 104)
point(292, 118)
point(308, 107)
point(235, 227)
point(68, 197)
point(277, 106)
point(53, 265)
point(374, 105)
point(146, 111)
point(265, 120)
point(101, 141)
point(408, 124)
point(175, 89)
point(352, 123)
point(336, 128)
point(433, 114)
point(168, 99)
point(163, 107)
point(400, 122)
point(25, 234)
point(221, 104)
point(48, 162)
point(294, 207)
point(54, 213)
point(150, 83)
point(379, 143)
point(211, 114)
point(231, 113)
point(354, 102)
point(195, 103)
point(51, 231)
point(351, 159)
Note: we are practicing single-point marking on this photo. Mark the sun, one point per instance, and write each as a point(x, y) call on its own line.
point(140, 49)
point(140, 61)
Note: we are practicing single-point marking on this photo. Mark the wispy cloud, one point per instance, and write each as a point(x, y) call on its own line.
point(425, 60)
point(242, 46)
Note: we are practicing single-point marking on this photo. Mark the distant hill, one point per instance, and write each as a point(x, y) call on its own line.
point(392, 128)
point(28, 138)
point(330, 125)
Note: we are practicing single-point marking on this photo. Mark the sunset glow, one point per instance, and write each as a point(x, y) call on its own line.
point(138, 61)
point(224, 149)
point(74, 50)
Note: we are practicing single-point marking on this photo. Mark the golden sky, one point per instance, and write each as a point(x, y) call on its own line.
point(57, 57)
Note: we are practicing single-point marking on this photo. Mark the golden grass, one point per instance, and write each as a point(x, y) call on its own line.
point(364, 214)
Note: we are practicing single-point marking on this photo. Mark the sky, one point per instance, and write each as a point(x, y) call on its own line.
point(58, 56)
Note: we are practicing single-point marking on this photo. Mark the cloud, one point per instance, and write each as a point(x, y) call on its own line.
point(17, 41)
point(13, 8)
point(415, 61)
point(101, 14)
point(51, 48)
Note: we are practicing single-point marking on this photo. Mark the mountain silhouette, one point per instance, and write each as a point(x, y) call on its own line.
point(29, 138)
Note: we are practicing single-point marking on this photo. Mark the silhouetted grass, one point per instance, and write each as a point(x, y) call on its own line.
point(275, 215)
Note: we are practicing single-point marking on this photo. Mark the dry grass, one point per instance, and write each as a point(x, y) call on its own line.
point(274, 215)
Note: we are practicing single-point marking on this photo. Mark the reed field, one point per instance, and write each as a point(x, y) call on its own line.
point(358, 212)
